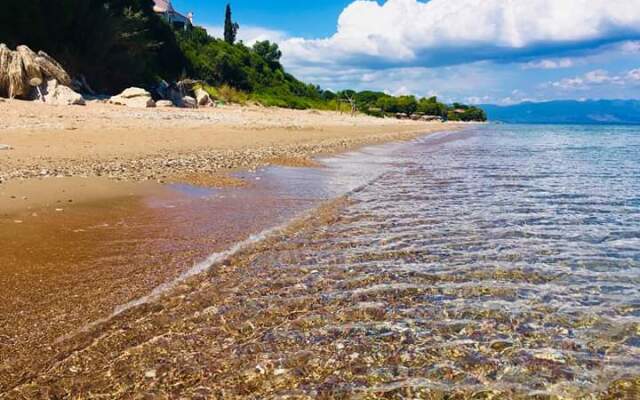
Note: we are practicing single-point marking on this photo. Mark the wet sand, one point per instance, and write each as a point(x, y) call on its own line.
point(66, 265)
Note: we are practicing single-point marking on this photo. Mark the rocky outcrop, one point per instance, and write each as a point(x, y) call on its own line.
point(56, 94)
point(134, 97)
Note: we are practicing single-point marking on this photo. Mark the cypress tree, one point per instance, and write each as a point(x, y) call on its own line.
point(230, 27)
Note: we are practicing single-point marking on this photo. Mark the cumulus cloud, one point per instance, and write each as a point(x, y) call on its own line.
point(597, 77)
point(445, 32)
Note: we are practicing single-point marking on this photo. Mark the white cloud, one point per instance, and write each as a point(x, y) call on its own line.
point(634, 75)
point(401, 91)
point(630, 47)
point(412, 32)
point(600, 77)
point(570, 83)
point(250, 34)
point(549, 64)
point(597, 77)
point(477, 100)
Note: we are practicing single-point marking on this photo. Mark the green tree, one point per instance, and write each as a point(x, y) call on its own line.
point(230, 27)
point(270, 52)
point(431, 106)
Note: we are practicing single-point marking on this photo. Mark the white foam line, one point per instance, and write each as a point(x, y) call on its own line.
point(203, 266)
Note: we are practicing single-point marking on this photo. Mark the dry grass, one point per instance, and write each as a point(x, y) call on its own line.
point(232, 95)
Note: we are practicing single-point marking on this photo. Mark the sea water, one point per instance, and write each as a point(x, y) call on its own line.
point(502, 258)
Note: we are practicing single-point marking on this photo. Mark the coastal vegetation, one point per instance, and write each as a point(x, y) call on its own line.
point(115, 44)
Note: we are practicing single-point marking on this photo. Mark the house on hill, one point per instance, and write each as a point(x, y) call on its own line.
point(165, 9)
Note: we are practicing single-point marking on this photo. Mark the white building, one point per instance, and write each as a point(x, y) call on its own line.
point(166, 10)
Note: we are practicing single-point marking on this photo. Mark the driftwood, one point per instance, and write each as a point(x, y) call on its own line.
point(52, 68)
point(23, 69)
point(32, 71)
point(17, 84)
point(5, 59)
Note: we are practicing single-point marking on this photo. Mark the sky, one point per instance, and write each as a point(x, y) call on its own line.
point(474, 51)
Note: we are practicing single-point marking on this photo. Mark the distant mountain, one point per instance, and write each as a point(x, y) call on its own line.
point(567, 112)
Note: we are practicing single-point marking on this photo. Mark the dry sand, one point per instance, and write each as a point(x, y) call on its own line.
point(165, 145)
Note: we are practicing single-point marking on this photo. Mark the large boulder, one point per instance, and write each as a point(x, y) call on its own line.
point(60, 95)
point(134, 97)
point(202, 97)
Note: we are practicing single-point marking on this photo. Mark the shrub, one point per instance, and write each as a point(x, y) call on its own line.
point(231, 95)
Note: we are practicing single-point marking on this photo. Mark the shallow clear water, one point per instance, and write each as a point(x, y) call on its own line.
point(510, 256)
point(501, 262)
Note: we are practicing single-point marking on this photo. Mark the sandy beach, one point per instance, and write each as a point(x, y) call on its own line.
point(91, 219)
point(165, 145)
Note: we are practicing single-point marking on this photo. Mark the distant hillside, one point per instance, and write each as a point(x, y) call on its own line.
point(567, 112)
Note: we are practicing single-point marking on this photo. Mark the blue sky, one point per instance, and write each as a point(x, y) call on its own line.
point(310, 19)
point(479, 51)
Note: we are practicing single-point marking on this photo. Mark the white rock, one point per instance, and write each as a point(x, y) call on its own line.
point(60, 95)
point(202, 97)
point(134, 97)
point(189, 102)
point(164, 103)
point(5, 147)
point(132, 92)
point(150, 374)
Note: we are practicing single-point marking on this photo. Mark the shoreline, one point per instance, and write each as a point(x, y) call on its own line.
point(150, 144)
point(307, 314)
point(108, 144)
point(68, 263)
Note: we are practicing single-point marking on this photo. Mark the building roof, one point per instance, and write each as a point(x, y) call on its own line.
point(163, 6)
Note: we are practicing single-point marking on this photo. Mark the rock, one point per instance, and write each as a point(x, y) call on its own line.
point(164, 103)
point(189, 102)
point(133, 92)
point(550, 355)
point(151, 374)
point(134, 97)
point(5, 147)
point(202, 97)
point(59, 95)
